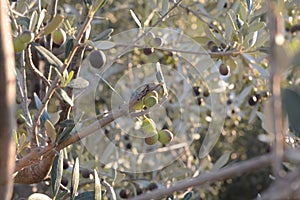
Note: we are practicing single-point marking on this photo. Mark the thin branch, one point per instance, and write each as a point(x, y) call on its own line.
point(227, 172)
point(284, 188)
point(35, 154)
point(110, 189)
point(276, 27)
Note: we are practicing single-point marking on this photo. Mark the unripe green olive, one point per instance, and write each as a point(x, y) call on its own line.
point(150, 101)
point(138, 106)
point(59, 36)
point(19, 45)
point(27, 36)
point(165, 136)
point(148, 126)
point(97, 59)
point(151, 140)
point(153, 93)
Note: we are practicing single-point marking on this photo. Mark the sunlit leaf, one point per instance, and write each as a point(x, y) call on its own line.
point(135, 18)
point(33, 21)
point(65, 96)
point(249, 5)
point(38, 196)
point(98, 194)
point(48, 56)
point(75, 179)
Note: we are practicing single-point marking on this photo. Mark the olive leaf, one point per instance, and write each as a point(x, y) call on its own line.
point(56, 173)
point(75, 179)
point(86, 195)
point(48, 56)
point(98, 195)
point(291, 105)
point(135, 18)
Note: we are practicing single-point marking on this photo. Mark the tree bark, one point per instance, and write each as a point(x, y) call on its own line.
point(7, 105)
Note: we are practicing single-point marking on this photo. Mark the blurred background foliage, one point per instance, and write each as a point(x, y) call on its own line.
point(236, 35)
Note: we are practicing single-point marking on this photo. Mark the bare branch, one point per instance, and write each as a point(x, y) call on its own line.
point(227, 172)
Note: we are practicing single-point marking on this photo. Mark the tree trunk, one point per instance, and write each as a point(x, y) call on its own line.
point(7, 105)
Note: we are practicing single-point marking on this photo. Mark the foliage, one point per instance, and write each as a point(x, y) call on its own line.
point(51, 78)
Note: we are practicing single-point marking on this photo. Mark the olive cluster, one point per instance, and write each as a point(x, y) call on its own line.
point(148, 126)
point(151, 41)
point(200, 94)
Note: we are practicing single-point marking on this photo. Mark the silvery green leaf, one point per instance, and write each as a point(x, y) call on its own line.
point(56, 173)
point(136, 19)
point(104, 45)
point(75, 179)
point(104, 34)
point(221, 161)
point(249, 5)
point(78, 83)
point(98, 194)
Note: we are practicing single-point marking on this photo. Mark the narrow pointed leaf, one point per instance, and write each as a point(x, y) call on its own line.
point(75, 179)
point(50, 130)
point(135, 18)
point(78, 83)
point(48, 56)
point(98, 195)
point(56, 173)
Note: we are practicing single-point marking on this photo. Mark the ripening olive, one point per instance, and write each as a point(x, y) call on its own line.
point(19, 45)
point(224, 69)
point(152, 186)
point(148, 50)
point(27, 36)
point(59, 36)
point(252, 100)
point(152, 139)
point(157, 42)
point(85, 173)
point(64, 181)
point(123, 193)
point(97, 59)
point(165, 136)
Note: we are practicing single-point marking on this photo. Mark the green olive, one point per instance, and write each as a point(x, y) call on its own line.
point(165, 136)
point(148, 126)
point(138, 106)
point(150, 101)
point(27, 36)
point(19, 45)
point(59, 36)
